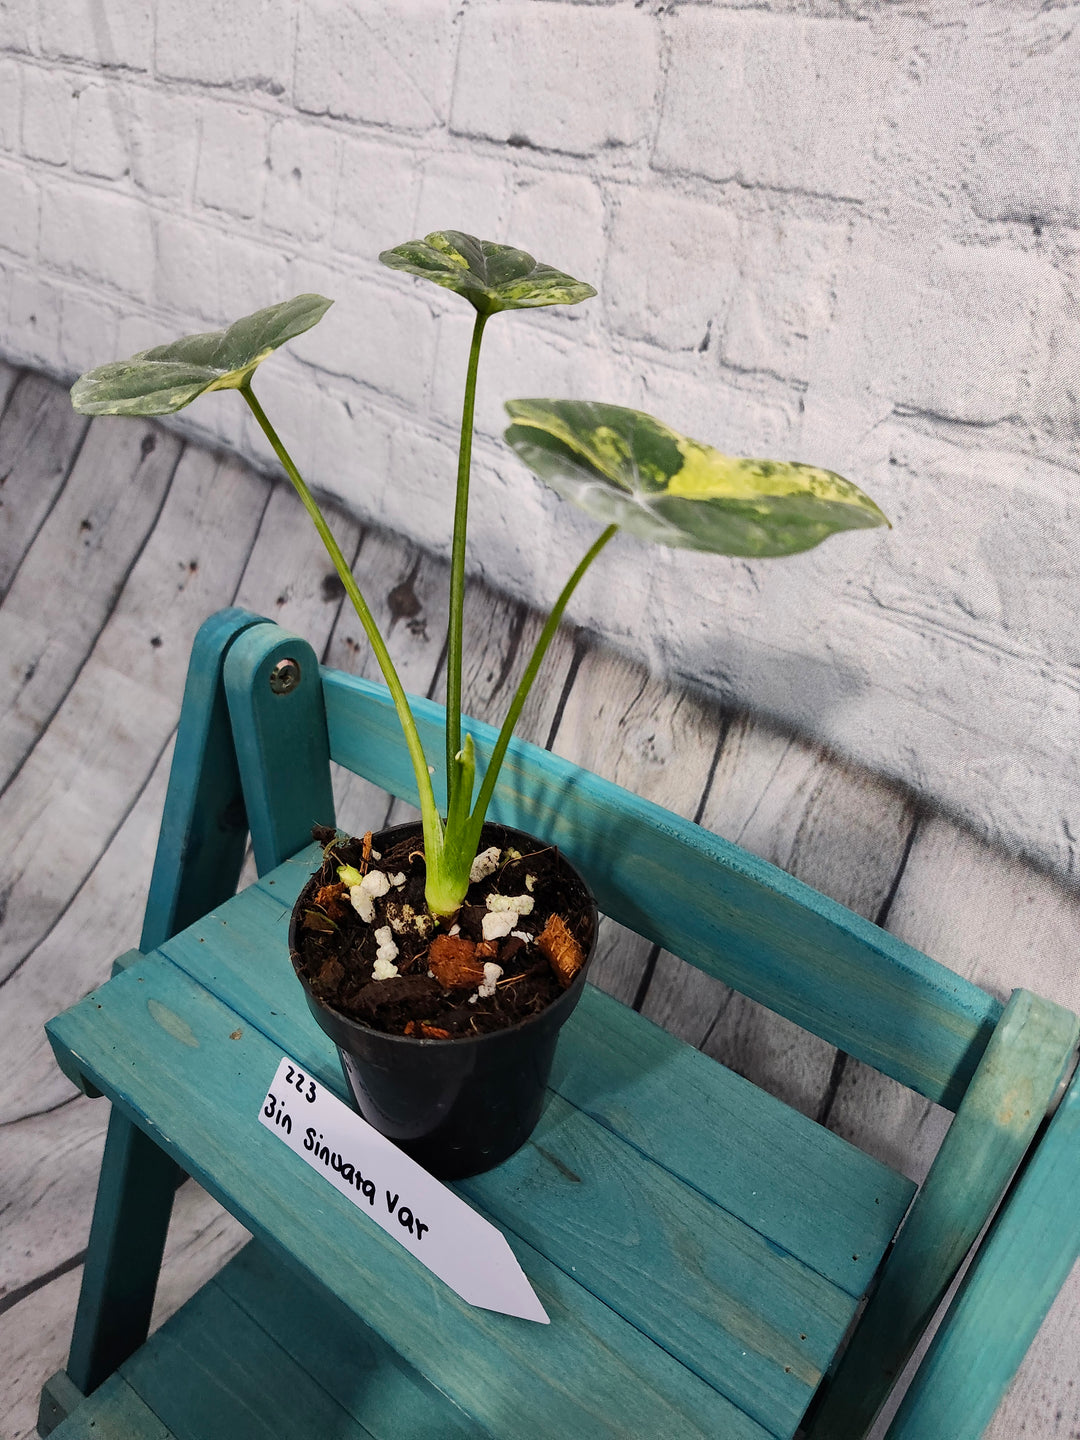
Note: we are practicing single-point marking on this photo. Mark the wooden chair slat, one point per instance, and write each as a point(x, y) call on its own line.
point(738, 1314)
point(156, 1043)
point(733, 915)
point(213, 1371)
point(987, 1140)
point(826, 1202)
point(820, 1198)
point(1007, 1291)
point(344, 1357)
point(280, 736)
point(203, 827)
point(114, 1410)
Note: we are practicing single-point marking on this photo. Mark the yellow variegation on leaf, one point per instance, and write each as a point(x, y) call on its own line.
point(168, 377)
point(491, 277)
point(627, 469)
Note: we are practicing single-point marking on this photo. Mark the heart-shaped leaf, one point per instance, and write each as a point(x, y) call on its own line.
point(491, 277)
point(159, 381)
point(627, 469)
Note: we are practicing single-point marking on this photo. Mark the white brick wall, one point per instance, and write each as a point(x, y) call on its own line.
point(843, 234)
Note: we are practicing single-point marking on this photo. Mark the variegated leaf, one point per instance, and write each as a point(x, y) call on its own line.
point(491, 277)
point(168, 377)
point(627, 469)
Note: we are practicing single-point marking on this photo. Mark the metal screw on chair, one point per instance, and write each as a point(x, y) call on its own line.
point(284, 677)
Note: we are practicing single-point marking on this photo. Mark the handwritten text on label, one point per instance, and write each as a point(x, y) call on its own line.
point(429, 1220)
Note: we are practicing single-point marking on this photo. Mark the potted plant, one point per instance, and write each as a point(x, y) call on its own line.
point(443, 963)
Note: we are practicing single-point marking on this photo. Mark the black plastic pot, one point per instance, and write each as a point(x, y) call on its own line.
point(457, 1107)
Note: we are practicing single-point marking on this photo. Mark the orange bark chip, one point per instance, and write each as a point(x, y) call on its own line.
point(562, 950)
point(452, 960)
point(433, 1032)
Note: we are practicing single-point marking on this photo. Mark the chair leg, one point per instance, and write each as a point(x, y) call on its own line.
point(127, 1238)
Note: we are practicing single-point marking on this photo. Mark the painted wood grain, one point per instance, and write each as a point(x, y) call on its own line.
point(50, 1165)
point(634, 1389)
point(101, 921)
point(407, 591)
point(1010, 1284)
point(254, 976)
point(34, 1334)
point(114, 1409)
point(40, 436)
point(289, 579)
point(347, 1359)
point(988, 916)
point(73, 573)
point(994, 1126)
point(788, 946)
point(84, 774)
point(842, 832)
point(9, 377)
point(993, 917)
point(213, 1369)
point(622, 724)
point(253, 973)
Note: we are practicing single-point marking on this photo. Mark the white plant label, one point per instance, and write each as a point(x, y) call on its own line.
point(452, 1240)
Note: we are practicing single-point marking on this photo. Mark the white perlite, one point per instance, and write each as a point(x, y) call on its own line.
point(497, 923)
point(370, 888)
point(384, 938)
point(491, 975)
point(522, 904)
point(384, 967)
point(504, 913)
point(485, 864)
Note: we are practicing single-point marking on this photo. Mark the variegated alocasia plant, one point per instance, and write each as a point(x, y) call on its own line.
point(626, 469)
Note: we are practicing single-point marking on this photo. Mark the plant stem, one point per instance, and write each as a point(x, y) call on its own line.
point(471, 839)
point(433, 832)
point(457, 567)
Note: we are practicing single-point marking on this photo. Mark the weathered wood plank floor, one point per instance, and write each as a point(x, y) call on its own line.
point(115, 542)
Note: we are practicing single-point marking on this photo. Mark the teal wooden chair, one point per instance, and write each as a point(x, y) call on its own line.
point(703, 1251)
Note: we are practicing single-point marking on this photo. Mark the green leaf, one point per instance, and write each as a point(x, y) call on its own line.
point(491, 277)
point(627, 469)
point(159, 381)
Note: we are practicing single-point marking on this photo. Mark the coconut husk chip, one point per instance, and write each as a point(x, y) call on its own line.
point(563, 952)
point(452, 960)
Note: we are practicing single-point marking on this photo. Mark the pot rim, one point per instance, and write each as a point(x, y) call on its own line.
point(463, 1042)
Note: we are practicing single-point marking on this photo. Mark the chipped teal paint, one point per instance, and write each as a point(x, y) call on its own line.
point(174, 1025)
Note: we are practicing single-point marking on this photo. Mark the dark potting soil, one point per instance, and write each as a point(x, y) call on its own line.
point(337, 949)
